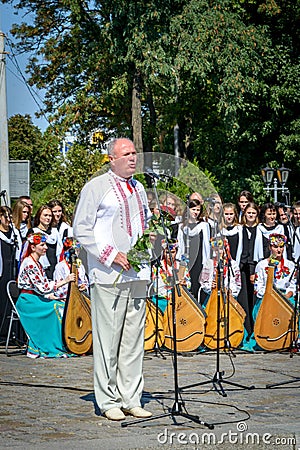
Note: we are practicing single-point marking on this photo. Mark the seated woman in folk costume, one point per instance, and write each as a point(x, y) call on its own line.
point(40, 311)
point(285, 278)
point(63, 268)
point(162, 276)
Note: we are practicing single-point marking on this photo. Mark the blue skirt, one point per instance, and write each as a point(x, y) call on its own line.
point(41, 318)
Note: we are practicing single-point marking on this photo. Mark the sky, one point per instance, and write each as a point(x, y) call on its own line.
point(19, 100)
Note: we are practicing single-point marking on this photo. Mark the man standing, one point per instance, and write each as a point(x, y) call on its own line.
point(111, 214)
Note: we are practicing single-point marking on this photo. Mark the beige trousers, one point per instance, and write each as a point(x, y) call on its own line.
point(118, 321)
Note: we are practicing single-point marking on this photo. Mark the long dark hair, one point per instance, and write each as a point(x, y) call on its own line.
point(192, 204)
point(54, 203)
point(263, 210)
point(38, 214)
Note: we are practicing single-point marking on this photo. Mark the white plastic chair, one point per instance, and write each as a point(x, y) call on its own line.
point(13, 293)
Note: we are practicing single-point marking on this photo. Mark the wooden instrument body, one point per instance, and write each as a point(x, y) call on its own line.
point(190, 322)
point(77, 321)
point(274, 322)
point(150, 326)
point(231, 328)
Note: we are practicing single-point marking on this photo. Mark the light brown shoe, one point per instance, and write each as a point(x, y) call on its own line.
point(114, 414)
point(137, 411)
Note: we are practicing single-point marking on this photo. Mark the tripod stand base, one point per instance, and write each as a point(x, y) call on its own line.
point(174, 412)
point(217, 381)
point(270, 386)
point(156, 351)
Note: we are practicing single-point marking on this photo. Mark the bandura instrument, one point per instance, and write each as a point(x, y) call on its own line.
point(77, 322)
point(230, 328)
point(150, 326)
point(274, 322)
point(189, 321)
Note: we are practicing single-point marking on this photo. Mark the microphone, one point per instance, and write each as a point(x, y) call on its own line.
point(152, 174)
point(2, 193)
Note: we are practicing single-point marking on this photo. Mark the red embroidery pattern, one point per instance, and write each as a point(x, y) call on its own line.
point(281, 271)
point(141, 209)
point(105, 254)
point(122, 199)
point(121, 193)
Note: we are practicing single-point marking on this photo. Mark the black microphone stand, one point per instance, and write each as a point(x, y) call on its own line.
point(218, 379)
point(227, 343)
point(230, 274)
point(177, 408)
point(156, 348)
point(294, 347)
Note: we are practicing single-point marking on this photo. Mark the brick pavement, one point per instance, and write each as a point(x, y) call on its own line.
point(49, 404)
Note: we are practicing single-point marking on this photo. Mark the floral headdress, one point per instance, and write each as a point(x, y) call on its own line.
point(33, 238)
point(36, 238)
point(69, 244)
point(277, 239)
point(216, 243)
point(173, 243)
point(168, 212)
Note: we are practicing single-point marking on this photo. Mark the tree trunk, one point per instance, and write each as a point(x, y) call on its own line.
point(137, 129)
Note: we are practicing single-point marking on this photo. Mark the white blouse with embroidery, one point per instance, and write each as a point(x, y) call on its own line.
point(33, 278)
point(285, 278)
point(62, 270)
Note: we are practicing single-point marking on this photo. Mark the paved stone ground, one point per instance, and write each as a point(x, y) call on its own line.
point(49, 404)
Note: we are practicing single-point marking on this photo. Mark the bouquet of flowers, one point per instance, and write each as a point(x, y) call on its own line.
point(140, 253)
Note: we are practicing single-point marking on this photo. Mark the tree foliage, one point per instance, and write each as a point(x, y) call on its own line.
point(225, 72)
point(71, 173)
point(27, 142)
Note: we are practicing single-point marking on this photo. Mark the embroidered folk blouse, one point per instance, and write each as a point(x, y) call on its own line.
point(162, 281)
point(33, 278)
point(109, 218)
point(62, 270)
point(284, 277)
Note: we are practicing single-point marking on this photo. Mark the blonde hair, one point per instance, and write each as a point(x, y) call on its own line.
point(17, 214)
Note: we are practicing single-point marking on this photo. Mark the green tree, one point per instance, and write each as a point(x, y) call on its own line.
point(226, 72)
point(69, 174)
point(27, 142)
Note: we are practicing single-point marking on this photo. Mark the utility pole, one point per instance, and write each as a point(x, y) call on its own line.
point(4, 155)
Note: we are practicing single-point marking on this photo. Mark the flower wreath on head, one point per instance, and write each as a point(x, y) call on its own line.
point(216, 243)
point(277, 239)
point(221, 244)
point(280, 241)
point(173, 244)
point(70, 244)
point(36, 238)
